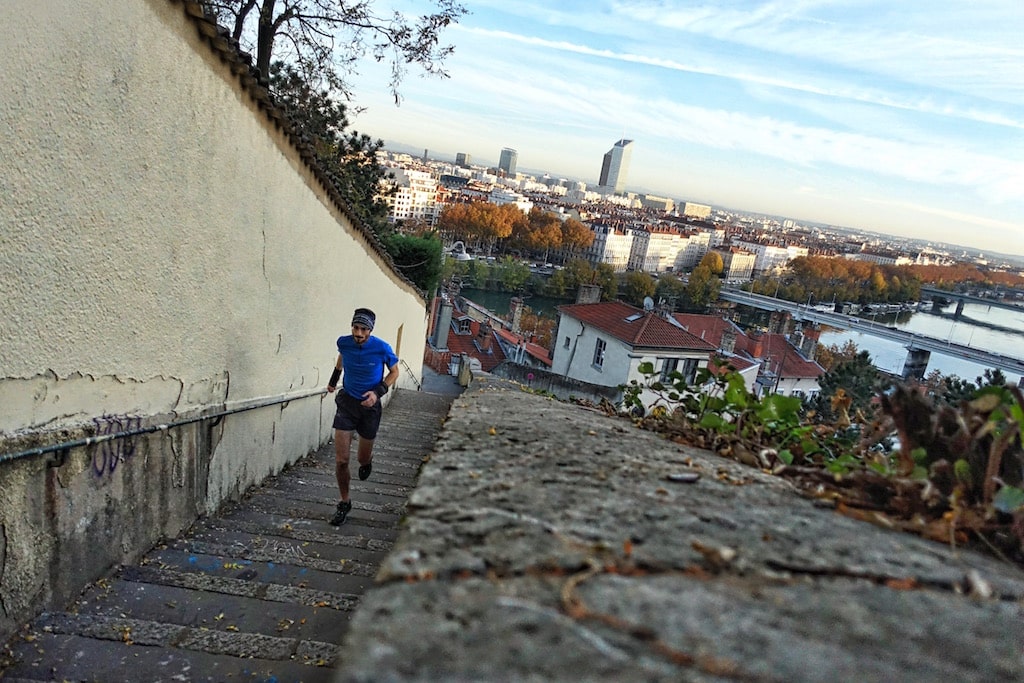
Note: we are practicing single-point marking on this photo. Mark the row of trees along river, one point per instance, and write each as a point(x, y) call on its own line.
point(820, 280)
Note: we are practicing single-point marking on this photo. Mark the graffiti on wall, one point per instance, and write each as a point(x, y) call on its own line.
point(109, 454)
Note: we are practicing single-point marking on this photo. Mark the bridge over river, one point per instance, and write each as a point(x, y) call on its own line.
point(940, 295)
point(919, 347)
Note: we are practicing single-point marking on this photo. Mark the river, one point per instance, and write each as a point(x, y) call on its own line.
point(499, 302)
point(890, 355)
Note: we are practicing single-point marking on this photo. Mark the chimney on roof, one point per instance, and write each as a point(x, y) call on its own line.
point(758, 350)
point(728, 343)
point(516, 313)
point(444, 324)
point(484, 338)
point(809, 345)
point(588, 294)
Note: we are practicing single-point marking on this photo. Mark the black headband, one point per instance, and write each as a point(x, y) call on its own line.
point(363, 320)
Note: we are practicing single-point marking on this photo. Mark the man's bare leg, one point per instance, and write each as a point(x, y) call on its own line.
point(364, 455)
point(342, 446)
point(342, 453)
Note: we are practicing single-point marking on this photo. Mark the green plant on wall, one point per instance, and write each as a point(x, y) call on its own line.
point(960, 467)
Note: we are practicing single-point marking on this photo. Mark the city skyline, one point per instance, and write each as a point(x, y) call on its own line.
point(903, 120)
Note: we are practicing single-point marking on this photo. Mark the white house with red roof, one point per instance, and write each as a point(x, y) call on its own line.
point(785, 370)
point(605, 343)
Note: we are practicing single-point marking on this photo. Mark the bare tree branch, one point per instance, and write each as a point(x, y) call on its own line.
point(327, 39)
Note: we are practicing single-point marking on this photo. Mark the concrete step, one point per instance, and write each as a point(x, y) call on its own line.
point(263, 590)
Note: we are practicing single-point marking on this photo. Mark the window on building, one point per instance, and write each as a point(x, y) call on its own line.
point(464, 326)
point(668, 367)
point(566, 345)
point(599, 348)
point(687, 367)
point(689, 370)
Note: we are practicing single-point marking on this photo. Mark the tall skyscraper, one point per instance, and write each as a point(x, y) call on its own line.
point(507, 163)
point(615, 165)
point(463, 159)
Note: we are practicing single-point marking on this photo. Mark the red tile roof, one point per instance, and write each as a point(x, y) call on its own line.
point(537, 351)
point(644, 330)
point(739, 363)
point(707, 327)
point(776, 349)
point(464, 344)
point(760, 348)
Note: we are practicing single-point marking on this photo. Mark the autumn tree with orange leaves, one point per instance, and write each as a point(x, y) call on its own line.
point(575, 236)
point(540, 232)
point(480, 223)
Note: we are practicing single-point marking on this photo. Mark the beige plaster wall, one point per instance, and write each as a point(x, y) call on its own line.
point(163, 251)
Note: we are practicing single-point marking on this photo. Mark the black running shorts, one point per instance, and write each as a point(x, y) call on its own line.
point(353, 416)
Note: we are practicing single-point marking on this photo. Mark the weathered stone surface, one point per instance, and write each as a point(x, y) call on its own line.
point(548, 542)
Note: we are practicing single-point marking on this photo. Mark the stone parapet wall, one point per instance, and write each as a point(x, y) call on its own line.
point(548, 542)
point(564, 388)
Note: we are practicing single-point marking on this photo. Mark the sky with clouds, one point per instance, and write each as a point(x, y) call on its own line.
point(900, 117)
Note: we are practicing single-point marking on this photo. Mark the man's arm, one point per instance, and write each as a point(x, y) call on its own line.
point(332, 384)
point(392, 376)
point(374, 395)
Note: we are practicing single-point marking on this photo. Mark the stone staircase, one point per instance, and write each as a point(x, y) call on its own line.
point(262, 591)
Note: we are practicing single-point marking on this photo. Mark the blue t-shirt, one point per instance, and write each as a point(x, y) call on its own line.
point(364, 363)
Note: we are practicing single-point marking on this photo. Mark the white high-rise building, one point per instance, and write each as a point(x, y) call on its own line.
point(615, 166)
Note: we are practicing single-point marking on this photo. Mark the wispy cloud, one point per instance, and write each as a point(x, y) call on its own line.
point(855, 93)
point(542, 94)
point(972, 47)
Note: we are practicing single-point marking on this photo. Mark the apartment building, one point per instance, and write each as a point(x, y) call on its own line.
point(738, 264)
point(612, 245)
point(693, 246)
point(769, 257)
point(655, 249)
point(696, 210)
point(415, 197)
